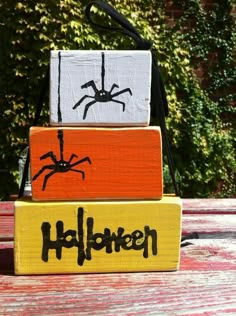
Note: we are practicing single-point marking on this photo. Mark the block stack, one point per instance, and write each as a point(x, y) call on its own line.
point(97, 191)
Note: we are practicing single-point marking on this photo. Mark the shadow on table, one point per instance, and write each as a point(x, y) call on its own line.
point(6, 261)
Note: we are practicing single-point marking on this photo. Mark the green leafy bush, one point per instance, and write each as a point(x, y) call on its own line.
point(200, 124)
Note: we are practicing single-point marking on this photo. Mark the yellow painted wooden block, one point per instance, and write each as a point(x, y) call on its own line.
point(90, 237)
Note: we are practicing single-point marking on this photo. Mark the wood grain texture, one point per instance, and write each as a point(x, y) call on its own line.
point(6, 207)
point(122, 163)
point(100, 88)
point(6, 227)
point(204, 285)
point(210, 224)
point(6, 220)
point(203, 254)
point(190, 206)
point(97, 236)
point(209, 255)
point(209, 206)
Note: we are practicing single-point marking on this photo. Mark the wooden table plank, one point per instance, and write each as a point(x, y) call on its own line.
point(209, 206)
point(207, 254)
point(190, 206)
point(6, 228)
point(6, 208)
point(140, 294)
point(205, 284)
point(220, 225)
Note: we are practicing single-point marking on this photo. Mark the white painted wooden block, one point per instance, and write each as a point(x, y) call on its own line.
point(93, 88)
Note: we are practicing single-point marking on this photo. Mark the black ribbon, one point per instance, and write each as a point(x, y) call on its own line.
point(126, 27)
point(187, 237)
point(159, 105)
point(39, 107)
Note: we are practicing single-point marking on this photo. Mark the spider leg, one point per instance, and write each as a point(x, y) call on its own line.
point(81, 161)
point(87, 107)
point(49, 154)
point(42, 170)
point(81, 100)
point(120, 103)
point(71, 157)
point(80, 171)
point(122, 91)
point(113, 87)
point(90, 84)
point(46, 179)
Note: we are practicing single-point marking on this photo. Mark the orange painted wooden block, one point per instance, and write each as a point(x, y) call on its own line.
point(96, 163)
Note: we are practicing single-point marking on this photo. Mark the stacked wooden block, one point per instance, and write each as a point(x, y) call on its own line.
point(97, 190)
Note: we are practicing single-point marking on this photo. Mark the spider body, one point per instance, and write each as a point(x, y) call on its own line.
point(101, 95)
point(61, 165)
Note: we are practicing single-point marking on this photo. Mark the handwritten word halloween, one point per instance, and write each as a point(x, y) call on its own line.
point(111, 241)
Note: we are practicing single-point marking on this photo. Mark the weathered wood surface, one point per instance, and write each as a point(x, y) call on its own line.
point(96, 163)
point(106, 88)
point(204, 285)
point(209, 224)
point(190, 206)
point(201, 222)
point(6, 221)
point(206, 254)
point(209, 206)
point(6, 227)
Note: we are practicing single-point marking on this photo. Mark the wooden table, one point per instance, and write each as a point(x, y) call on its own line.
point(204, 285)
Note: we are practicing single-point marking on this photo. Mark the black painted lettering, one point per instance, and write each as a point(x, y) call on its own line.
point(80, 245)
point(137, 240)
point(89, 238)
point(118, 238)
point(153, 234)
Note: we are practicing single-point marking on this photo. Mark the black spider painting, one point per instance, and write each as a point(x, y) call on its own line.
point(101, 95)
point(61, 165)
